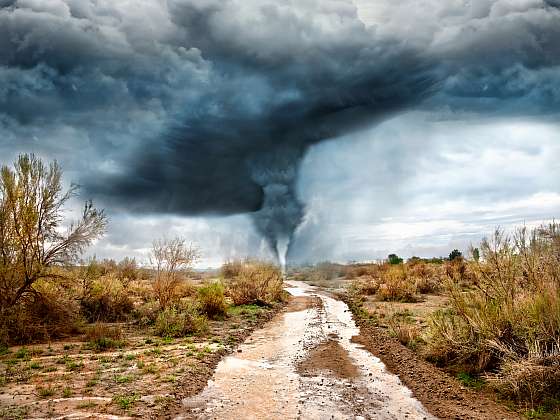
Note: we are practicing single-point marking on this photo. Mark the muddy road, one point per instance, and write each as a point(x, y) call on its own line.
point(303, 364)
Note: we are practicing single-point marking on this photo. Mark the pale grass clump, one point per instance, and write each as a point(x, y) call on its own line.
point(256, 282)
point(401, 282)
point(509, 322)
point(396, 285)
point(404, 330)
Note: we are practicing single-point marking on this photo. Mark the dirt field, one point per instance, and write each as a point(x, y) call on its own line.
point(146, 377)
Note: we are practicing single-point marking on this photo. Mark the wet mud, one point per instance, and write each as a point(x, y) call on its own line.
point(304, 364)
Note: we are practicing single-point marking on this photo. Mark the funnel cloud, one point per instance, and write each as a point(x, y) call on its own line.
point(189, 107)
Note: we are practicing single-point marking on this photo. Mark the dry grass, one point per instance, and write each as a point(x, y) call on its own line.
point(256, 283)
point(509, 323)
point(398, 282)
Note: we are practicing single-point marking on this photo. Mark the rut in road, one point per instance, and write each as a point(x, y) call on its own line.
point(303, 364)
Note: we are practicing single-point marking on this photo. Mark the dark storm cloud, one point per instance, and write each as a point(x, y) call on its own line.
point(198, 107)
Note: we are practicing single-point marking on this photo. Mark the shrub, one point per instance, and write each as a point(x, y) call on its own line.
point(178, 322)
point(147, 313)
point(50, 312)
point(360, 270)
point(257, 282)
point(397, 286)
point(212, 299)
point(425, 277)
point(531, 379)
point(231, 269)
point(107, 300)
point(102, 336)
point(127, 270)
point(171, 259)
point(33, 242)
point(509, 322)
point(366, 286)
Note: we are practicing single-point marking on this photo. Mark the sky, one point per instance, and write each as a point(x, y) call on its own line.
point(310, 130)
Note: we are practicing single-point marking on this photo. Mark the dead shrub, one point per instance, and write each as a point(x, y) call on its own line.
point(257, 282)
point(361, 270)
point(366, 286)
point(424, 276)
point(212, 300)
point(534, 379)
point(407, 334)
point(172, 258)
point(147, 312)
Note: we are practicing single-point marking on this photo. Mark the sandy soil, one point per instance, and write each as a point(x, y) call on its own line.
point(146, 378)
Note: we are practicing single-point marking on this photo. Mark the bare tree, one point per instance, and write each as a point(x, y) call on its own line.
point(32, 239)
point(171, 258)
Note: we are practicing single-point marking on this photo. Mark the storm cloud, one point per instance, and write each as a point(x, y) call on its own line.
point(208, 107)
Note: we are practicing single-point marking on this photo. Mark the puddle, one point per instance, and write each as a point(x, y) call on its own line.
point(261, 380)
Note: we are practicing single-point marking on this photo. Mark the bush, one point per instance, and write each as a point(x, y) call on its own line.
point(107, 300)
point(147, 313)
point(102, 337)
point(50, 312)
point(366, 286)
point(231, 269)
point(510, 322)
point(258, 283)
point(397, 286)
point(425, 277)
point(212, 299)
point(178, 322)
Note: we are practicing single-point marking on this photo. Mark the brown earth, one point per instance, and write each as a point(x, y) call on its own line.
point(145, 378)
point(441, 394)
point(300, 303)
point(193, 384)
point(328, 357)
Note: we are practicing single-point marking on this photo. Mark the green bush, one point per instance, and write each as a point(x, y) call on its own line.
point(212, 299)
point(178, 322)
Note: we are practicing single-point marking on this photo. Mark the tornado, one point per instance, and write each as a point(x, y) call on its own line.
point(237, 148)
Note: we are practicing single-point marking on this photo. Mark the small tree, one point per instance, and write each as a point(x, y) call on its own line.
point(32, 240)
point(170, 258)
point(394, 259)
point(455, 254)
point(475, 254)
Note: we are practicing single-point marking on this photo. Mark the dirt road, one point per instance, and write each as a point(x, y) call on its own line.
point(303, 364)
